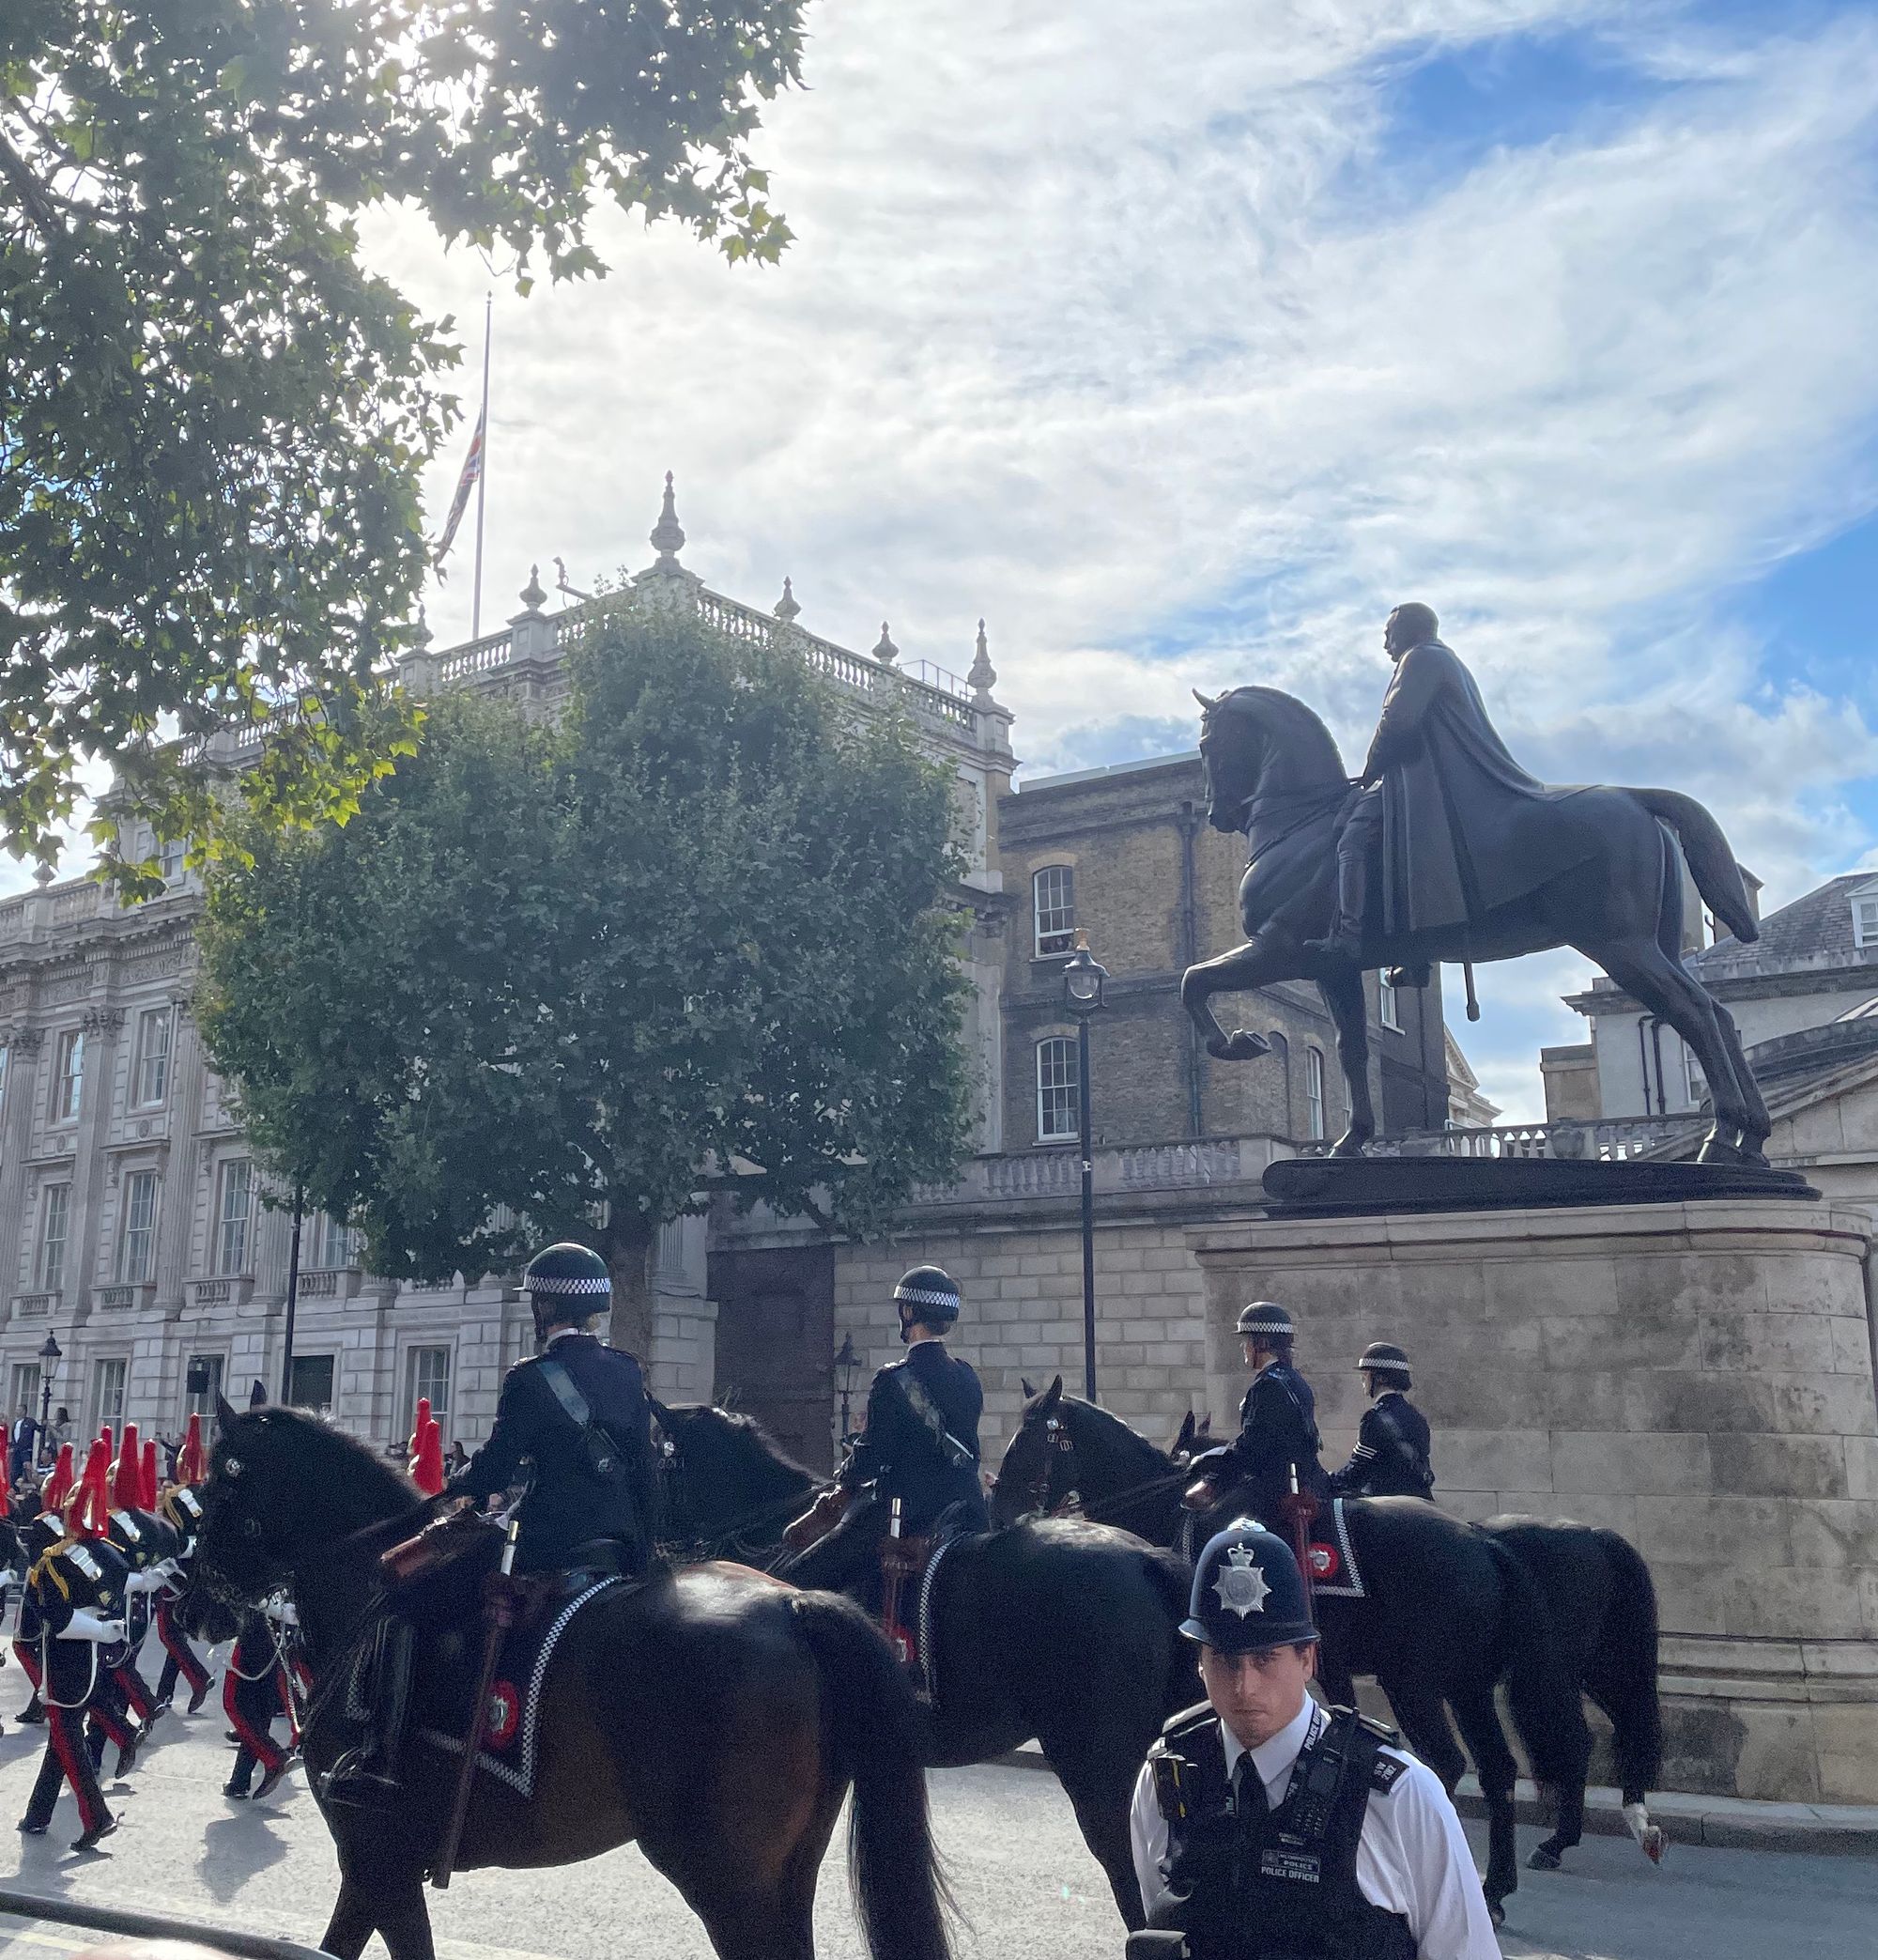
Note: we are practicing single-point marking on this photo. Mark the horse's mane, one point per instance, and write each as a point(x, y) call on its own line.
point(339, 1451)
point(1303, 726)
point(737, 1424)
point(1112, 1432)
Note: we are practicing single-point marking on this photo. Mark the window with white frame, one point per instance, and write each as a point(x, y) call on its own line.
point(54, 1228)
point(26, 1400)
point(427, 1378)
point(1314, 1092)
point(170, 854)
point(1057, 1086)
point(1864, 920)
point(151, 1082)
point(107, 1392)
point(234, 1203)
point(332, 1244)
point(206, 1372)
point(1388, 1008)
point(1692, 1074)
point(67, 1074)
point(137, 1237)
point(1052, 893)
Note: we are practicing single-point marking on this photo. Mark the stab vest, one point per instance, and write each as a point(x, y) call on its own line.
point(1285, 1886)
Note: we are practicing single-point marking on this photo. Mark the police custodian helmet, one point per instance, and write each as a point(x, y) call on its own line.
point(929, 1294)
point(1263, 1317)
point(1248, 1594)
point(567, 1282)
point(1385, 1358)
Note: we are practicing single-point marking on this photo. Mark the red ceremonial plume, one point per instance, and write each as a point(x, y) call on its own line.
point(107, 1439)
point(58, 1486)
point(127, 1486)
point(418, 1427)
point(150, 1493)
point(428, 1470)
point(191, 1465)
point(87, 1511)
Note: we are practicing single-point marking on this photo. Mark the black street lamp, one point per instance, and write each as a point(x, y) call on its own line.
point(1082, 979)
point(847, 1368)
point(49, 1360)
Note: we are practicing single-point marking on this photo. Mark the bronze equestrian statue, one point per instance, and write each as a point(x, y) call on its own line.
point(1446, 849)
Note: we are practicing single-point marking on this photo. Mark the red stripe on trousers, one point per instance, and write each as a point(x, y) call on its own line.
point(69, 1745)
point(265, 1750)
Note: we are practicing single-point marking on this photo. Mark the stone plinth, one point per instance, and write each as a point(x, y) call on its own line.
point(1697, 1376)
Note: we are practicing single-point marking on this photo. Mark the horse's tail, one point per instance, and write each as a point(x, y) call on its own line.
point(1712, 862)
point(1544, 1700)
point(875, 1729)
point(1620, 1675)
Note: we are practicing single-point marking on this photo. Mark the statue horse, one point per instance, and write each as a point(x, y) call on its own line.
point(1274, 774)
point(1449, 1612)
point(714, 1716)
point(1060, 1630)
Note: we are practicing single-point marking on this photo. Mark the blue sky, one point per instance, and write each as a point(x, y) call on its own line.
point(1180, 343)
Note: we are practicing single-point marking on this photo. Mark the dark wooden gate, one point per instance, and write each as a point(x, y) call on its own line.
point(776, 1343)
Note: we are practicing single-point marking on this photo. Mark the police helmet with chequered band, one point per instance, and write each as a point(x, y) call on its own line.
point(567, 1282)
point(1384, 1358)
point(1248, 1594)
point(1263, 1317)
point(927, 1294)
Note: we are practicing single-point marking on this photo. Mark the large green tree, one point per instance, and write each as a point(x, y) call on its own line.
point(214, 417)
point(559, 981)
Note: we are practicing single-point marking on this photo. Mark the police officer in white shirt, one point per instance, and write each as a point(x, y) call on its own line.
point(1266, 1828)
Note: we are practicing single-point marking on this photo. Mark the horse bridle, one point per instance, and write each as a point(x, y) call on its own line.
point(1058, 1442)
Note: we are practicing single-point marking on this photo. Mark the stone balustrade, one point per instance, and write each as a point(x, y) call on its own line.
point(1058, 1173)
point(234, 1290)
point(31, 1306)
point(1607, 1140)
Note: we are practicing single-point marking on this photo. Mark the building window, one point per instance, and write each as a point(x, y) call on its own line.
point(333, 1244)
point(1388, 1008)
point(202, 1386)
point(137, 1241)
point(1692, 1076)
point(154, 1028)
point(310, 1382)
point(1314, 1092)
point(1057, 1090)
point(6, 1070)
point(170, 853)
point(1864, 921)
point(429, 1378)
point(233, 1203)
point(68, 1075)
point(25, 1389)
point(54, 1224)
point(107, 1393)
point(1052, 893)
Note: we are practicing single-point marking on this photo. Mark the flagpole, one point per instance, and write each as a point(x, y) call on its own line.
point(482, 476)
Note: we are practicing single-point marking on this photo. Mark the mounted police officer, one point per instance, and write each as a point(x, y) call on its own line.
point(918, 1443)
point(1277, 1427)
point(577, 1413)
point(1264, 1828)
point(1391, 1457)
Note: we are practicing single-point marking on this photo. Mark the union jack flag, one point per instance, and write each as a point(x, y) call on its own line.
point(472, 470)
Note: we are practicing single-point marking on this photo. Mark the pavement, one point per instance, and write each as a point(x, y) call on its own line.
point(1027, 1889)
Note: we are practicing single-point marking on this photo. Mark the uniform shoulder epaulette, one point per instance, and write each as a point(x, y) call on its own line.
point(1189, 1721)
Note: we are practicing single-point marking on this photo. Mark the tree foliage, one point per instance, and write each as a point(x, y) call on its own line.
point(695, 935)
point(212, 417)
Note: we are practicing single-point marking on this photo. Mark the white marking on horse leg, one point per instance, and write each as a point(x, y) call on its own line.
point(1636, 1817)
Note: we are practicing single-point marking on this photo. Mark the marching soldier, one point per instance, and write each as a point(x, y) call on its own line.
point(918, 1443)
point(77, 1588)
point(181, 1510)
point(1278, 1427)
point(1391, 1457)
point(255, 1689)
point(36, 1539)
point(1264, 1825)
point(578, 1411)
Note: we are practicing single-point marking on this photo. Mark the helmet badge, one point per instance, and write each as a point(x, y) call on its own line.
point(1241, 1586)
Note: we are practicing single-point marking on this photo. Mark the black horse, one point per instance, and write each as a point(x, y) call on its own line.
point(717, 1717)
point(1449, 1612)
point(1273, 772)
point(1060, 1630)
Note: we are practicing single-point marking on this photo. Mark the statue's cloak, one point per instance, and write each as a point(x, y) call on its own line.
point(1465, 829)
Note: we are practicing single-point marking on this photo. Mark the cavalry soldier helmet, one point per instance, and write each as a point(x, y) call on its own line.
point(1248, 1593)
point(1264, 1316)
point(927, 1293)
point(1385, 1358)
point(567, 1282)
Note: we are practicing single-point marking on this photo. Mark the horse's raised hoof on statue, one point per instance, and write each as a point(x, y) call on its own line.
point(1240, 1045)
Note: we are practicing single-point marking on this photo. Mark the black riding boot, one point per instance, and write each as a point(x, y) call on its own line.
point(1345, 941)
point(368, 1775)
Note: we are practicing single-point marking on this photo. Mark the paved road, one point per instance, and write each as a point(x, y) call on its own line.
point(1027, 1886)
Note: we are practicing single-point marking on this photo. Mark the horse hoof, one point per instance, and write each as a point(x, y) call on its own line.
point(1243, 1045)
point(1715, 1151)
point(1497, 1913)
point(1544, 1860)
point(1655, 1843)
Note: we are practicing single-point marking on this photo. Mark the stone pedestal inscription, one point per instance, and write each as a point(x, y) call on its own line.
point(1698, 1375)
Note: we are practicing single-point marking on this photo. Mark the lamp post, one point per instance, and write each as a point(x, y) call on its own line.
point(49, 1360)
point(1082, 979)
point(847, 1365)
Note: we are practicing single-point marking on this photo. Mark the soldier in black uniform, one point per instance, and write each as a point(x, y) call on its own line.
point(918, 1443)
point(1278, 1427)
point(1264, 1825)
point(577, 1413)
point(1391, 1457)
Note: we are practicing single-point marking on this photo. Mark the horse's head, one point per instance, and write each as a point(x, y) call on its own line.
point(284, 1484)
point(1038, 1470)
point(722, 1464)
point(1259, 742)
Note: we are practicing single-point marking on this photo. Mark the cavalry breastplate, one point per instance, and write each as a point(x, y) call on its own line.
point(1282, 1886)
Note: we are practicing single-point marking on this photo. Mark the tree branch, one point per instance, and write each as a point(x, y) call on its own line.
point(33, 194)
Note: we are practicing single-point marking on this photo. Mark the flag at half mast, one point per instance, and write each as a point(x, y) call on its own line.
point(473, 472)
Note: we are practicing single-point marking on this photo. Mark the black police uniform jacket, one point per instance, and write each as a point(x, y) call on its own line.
point(899, 1450)
point(1277, 1427)
point(1391, 1454)
point(568, 1505)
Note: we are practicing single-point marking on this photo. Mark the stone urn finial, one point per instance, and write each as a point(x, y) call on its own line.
point(668, 534)
point(786, 609)
point(532, 596)
point(884, 650)
point(983, 676)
